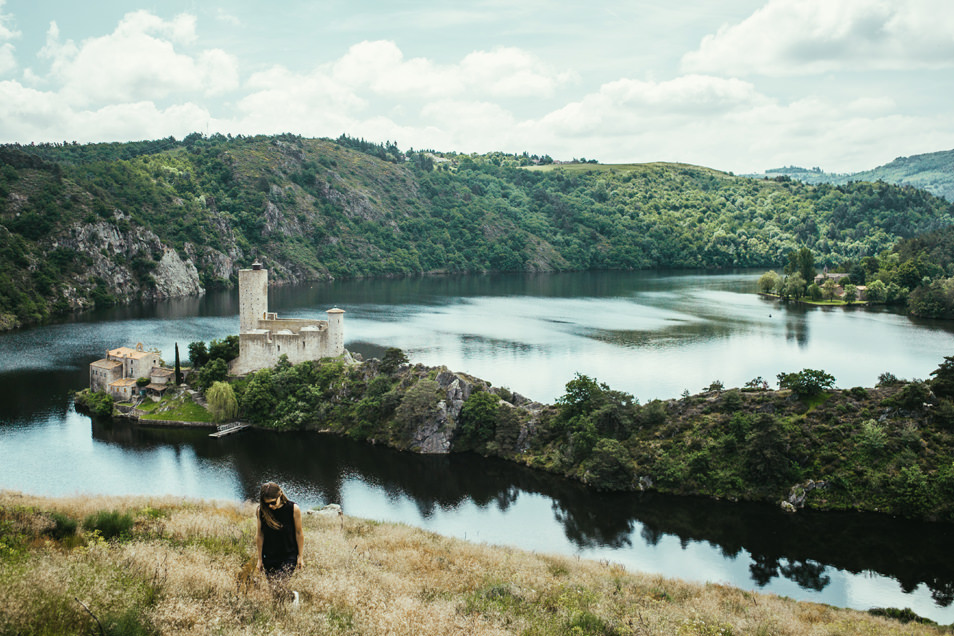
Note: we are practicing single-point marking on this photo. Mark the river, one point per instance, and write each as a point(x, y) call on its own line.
point(654, 335)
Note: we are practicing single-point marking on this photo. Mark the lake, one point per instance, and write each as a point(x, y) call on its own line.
point(653, 335)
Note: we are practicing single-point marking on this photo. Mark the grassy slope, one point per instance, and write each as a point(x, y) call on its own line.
point(186, 568)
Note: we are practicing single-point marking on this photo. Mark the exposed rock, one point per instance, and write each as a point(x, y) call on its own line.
point(434, 437)
point(787, 507)
point(331, 511)
point(176, 278)
point(799, 492)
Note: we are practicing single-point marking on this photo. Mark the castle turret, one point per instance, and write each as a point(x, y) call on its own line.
point(253, 297)
point(336, 331)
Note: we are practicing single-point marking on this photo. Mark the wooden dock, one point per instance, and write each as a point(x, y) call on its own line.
point(228, 429)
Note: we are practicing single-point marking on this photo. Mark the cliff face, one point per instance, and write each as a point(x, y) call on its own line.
point(126, 262)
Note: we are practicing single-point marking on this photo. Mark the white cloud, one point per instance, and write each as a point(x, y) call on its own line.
point(380, 68)
point(726, 124)
point(27, 114)
point(8, 61)
point(224, 16)
point(790, 37)
point(629, 105)
point(511, 72)
point(138, 61)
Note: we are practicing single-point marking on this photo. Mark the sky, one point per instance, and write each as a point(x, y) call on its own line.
point(737, 85)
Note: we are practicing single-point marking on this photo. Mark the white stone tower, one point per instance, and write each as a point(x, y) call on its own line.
point(336, 331)
point(253, 297)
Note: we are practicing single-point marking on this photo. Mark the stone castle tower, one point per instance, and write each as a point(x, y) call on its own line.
point(264, 338)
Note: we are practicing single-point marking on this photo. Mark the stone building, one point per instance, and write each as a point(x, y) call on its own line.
point(264, 337)
point(117, 373)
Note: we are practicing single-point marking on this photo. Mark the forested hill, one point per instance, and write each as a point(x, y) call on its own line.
point(103, 223)
point(933, 171)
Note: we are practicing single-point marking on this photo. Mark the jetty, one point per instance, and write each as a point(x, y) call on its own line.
point(228, 429)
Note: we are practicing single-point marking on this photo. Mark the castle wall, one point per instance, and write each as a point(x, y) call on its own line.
point(291, 324)
point(261, 349)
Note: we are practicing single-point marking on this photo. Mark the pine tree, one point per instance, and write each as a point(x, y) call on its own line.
point(178, 370)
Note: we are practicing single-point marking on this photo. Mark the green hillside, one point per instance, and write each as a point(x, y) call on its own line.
point(932, 171)
point(84, 225)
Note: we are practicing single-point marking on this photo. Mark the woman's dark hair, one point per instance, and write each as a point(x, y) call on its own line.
point(270, 490)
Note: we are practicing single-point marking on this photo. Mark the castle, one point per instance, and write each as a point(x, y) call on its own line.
point(263, 337)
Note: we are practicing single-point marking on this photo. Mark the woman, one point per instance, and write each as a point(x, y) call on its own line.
point(280, 539)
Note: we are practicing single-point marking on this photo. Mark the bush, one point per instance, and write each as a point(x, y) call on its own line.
point(63, 526)
point(609, 466)
point(111, 524)
point(807, 382)
point(888, 379)
point(392, 359)
point(478, 419)
point(97, 403)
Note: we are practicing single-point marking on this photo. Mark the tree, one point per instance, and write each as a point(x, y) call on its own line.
point(814, 291)
point(828, 288)
point(225, 349)
point(214, 371)
point(768, 282)
point(794, 286)
point(801, 261)
point(851, 293)
point(198, 354)
point(876, 292)
point(178, 378)
point(943, 382)
point(609, 466)
point(478, 418)
point(392, 359)
point(222, 403)
point(807, 382)
point(583, 396)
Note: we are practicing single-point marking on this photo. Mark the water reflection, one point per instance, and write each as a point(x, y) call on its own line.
point(805, 548)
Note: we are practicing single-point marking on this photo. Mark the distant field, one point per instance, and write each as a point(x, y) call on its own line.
point(585, 168)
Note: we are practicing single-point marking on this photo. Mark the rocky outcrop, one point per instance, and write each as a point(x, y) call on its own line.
point(799, 492)
point(127, 262)
point(175, 277)
point(436, 434)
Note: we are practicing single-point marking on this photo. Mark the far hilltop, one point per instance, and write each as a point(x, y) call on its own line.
point(933, 171)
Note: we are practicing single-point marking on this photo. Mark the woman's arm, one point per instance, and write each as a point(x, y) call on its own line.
point(299, 537)
point(259, 538)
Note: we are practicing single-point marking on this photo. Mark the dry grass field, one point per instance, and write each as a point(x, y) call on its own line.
point(186, 567)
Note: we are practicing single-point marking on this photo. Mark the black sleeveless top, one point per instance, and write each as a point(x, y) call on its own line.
point(280, 545)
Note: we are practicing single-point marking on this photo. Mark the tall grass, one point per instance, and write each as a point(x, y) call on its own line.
point(188, 568)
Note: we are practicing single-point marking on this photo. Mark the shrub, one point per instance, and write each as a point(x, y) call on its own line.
point(912, 395)
point(392, 359)
point(478, 418)
point(872, 437)
point(732, 401)
point(807, 382)
point(111, 524)
point(98, 403)
point(888, 379)
point(63, 526)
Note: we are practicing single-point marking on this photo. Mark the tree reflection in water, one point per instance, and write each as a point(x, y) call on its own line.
point(801, 547)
